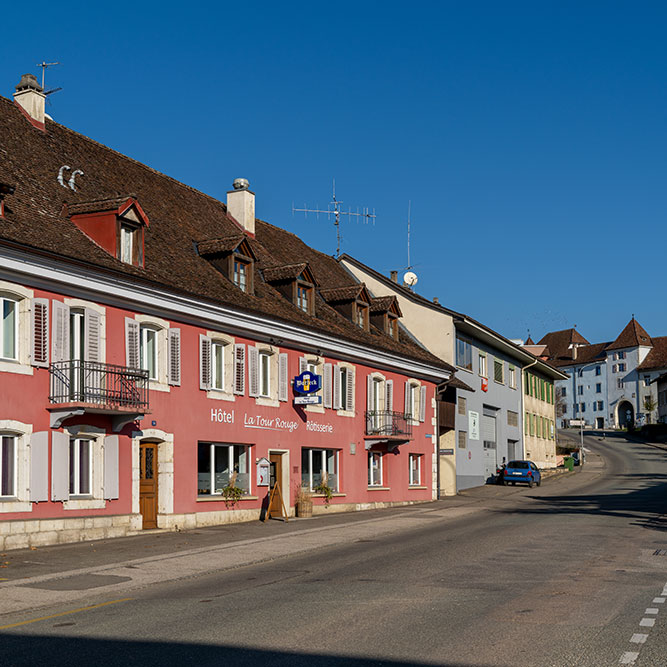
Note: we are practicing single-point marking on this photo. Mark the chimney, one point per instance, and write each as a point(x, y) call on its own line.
point(394, 276)
point(436, 300)
point(241, 205)
point(30, 97)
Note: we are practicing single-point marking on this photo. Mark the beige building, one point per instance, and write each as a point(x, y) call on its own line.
point(539, 416)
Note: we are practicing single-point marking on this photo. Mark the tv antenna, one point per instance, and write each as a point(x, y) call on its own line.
point(336, 210)
point(45, 66)
point(410, 278)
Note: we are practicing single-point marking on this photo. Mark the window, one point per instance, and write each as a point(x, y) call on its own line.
point(647, 380)
point(463, 354)
point(482, 365)
point(598, 370)
point(462, 405)
point(563, 392)
point(9, 328)
point(512, 377)
point(80, 467)
point(412, 401)
point(619, 383)
point(621, 355)
point(217, 366)
point(583, 407)
point(319, 466)
point(148, 351)
point(8, 467)
point(220, 465)
point(598, 387)
point(374, 469)
point(415, 462)
point(343, 388)
point(580, 390)
point(621, 368)
point(498, 371)
point(303, 293)
point(265, 374)
point(130, 244)
point(614, 368)
point(564, 408)
point(361, 315)
point(241, 274)
point(392, 327)
point(462, 439)
point(343, 375)
point(601, 406)
point(512, 418)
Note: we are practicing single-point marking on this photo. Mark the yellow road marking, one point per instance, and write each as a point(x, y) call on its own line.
point(62, 613)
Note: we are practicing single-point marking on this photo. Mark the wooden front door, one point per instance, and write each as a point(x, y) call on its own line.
point(276, 478)
point(148, 483)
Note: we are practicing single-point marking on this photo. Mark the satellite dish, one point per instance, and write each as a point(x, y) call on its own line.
point(410, 278)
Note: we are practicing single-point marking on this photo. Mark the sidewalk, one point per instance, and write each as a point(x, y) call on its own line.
point(69, 573)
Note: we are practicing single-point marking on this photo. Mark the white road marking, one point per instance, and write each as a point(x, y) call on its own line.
point(647, 622)
point(652, 610)
point(658, 600)
point(629, 657)
point(638, 638)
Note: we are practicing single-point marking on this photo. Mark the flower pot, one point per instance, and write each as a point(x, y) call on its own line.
point(304, 508)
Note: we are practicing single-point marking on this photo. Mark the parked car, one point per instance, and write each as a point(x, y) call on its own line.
point(524, 472)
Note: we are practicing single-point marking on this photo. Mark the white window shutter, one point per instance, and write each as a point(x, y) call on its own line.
point(253, 371)
point(59, 466)
point(39, 332)
point(336, 388)
point(303, 364)
point(422, 403)
point(369, 393)
point(132, 334)
point(60, 331)
point(408, 407)
point(204, 362)
point(239, 369)
point(111, 467)
point(39, 467)
point(326, 379)
point(92, 335)
point(174, 357)
point(389, 395)
point(349, 401)
point(283, 377)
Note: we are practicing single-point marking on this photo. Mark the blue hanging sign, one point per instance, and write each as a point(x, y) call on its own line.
point(307, 383)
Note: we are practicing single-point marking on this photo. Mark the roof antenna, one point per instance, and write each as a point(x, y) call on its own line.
point(45, 66)
point(335, 210)
point(409, 277)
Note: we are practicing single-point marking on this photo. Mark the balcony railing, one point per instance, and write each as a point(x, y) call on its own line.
point(101, 385)
point(388, 423)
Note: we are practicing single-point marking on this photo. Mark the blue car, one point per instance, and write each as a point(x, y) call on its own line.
point(524, 472)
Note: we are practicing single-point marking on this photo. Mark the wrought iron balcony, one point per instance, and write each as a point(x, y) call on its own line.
point(387, 423)
point(90, 386)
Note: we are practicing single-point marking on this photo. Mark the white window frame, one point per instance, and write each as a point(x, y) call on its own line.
point(23, 298)
point(303, 297)
point(5, 299)
point(511, 377)
point(414, 388)
point(264, 373)
point(20, 501)
point(146, 331)
point(483, 370)
point(95, 499)
point(240, 277)
point(312, 451)
point(374, 472)
point(213, 447)
point(218, 374)
point(411, 479)
point(344, 369)
point(127, 232)
point(76, 493)
point(161, 327)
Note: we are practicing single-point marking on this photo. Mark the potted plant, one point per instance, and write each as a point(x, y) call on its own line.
point(304, 501)
point(232, 493)
point(324, 488)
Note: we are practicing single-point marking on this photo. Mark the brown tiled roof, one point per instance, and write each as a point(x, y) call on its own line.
point(214, 246)
point(529, 341)
point(632, 336)
point(657, 357)
point(337, 294)
point(97, 205)
point(286, 272)
point(381, 304)
point(559, 342)
point(457, 383)
point(180, 217)
point(585, 354)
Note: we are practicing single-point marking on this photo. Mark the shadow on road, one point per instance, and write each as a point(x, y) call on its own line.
point(24, 650)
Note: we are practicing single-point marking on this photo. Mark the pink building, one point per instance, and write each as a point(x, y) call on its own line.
point(150, 341)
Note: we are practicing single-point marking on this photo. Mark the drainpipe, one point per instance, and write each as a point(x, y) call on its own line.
point(523, 404)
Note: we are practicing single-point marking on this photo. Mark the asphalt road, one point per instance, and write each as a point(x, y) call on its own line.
point(569, 573)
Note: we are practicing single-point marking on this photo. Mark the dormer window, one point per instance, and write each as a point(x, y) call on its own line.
point(392, 326)
point(295, 282)
point(233, 257)
point(117, 225)
point(351, 302)
point(384, 313)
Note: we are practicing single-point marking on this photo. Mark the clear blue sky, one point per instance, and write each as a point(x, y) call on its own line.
point(529, 136)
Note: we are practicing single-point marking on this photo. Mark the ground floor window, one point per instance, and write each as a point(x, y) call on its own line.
point(221, 465)
point(7, 466)
point(80, 467)
point(319, 466)
point(374, 469)
point(415, 469)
